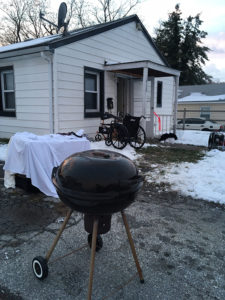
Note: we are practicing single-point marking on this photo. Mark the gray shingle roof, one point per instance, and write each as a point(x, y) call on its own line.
point(206, 89)
point(58, 40)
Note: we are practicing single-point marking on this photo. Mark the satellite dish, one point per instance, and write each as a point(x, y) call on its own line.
point(62, 14)
point(61, 18)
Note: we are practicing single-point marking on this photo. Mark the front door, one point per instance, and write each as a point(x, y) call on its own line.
point(123, 95)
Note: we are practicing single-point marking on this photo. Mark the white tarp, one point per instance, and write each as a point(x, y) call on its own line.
point(35, 156)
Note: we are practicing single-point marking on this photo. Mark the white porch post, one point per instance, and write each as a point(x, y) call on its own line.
point(131, 97)
point(144, 93)
point(151, 129)
point(176, 81)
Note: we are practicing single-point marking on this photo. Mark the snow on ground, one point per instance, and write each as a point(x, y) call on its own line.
point(127, 151)
point(192, 137)
point(203, 180)
point(3, 151)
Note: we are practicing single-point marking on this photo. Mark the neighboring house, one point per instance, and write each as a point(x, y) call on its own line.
point(62, 83)
point(205, 101)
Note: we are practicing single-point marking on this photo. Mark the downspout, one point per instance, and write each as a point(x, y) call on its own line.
point(55, 89)
point(176, 80)
point(49, 59)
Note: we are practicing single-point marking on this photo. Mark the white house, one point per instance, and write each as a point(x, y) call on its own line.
point(62, 83)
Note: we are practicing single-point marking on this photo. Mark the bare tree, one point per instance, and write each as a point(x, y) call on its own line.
point(13, 20)
point(78, 13)
point(21, 19)
point(109, 10)
point(34, 26)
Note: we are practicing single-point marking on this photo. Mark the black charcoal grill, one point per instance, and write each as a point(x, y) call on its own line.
point(97, 183)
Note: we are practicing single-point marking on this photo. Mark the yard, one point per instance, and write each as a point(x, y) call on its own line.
point(177, 224)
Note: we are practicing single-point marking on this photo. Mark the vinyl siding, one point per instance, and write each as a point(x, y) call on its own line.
point(32, 97)
point(165, 112)
point(219, 115)
point(121, 44)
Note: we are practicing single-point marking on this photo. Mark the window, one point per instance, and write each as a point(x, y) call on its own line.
point(93, 92)
point(194, 121)
point(205, 112)
point(7, 93)
point(159, 94)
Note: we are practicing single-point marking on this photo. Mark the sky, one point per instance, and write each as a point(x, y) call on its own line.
point(213, 16)
point(201, 180)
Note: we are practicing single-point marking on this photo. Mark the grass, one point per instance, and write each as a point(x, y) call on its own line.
point(163, 155)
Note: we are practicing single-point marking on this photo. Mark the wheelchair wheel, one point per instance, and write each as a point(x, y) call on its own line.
point(108, 142)
point(139, 139)
point(98, 137)
point(210, 141)
point(119, 136)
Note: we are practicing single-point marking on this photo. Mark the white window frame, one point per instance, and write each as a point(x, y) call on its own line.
point(94, 92)
point(6, 91)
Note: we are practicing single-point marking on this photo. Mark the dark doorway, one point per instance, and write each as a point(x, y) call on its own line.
point(124, 95)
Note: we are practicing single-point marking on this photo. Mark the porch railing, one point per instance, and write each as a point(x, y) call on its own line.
point(163, 124)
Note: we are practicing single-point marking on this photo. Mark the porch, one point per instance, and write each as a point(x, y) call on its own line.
point(146, 72)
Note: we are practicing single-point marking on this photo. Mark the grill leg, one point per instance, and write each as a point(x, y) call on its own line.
point(132, 246)
point(59, 234)
point(93, 250)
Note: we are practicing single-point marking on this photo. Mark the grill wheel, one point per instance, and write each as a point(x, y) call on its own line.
point(40, 267)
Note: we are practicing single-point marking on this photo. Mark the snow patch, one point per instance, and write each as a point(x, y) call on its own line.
point(3, 151)
point(198, 97)
point(203, 180)
point(127, 151)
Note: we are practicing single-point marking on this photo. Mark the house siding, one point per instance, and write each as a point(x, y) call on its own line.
point(165, 112)
point(118, 45)
point(32, 97)
point(217, 110)
point(32, 85)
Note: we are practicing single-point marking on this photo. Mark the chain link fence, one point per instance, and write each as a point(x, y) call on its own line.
point(216, 116)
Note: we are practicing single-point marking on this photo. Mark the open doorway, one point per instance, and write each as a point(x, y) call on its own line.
point(124, 95)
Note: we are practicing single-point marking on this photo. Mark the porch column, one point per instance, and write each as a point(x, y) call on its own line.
point(131, 95)
point(151, 129)
point(176, 83)
point(144, 93)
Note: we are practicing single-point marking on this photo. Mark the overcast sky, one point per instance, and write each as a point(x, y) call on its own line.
point(213, 17)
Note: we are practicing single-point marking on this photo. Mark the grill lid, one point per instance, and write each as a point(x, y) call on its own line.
point(97, 180)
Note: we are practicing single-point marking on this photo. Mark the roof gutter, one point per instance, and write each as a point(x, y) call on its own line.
point(21, 52)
